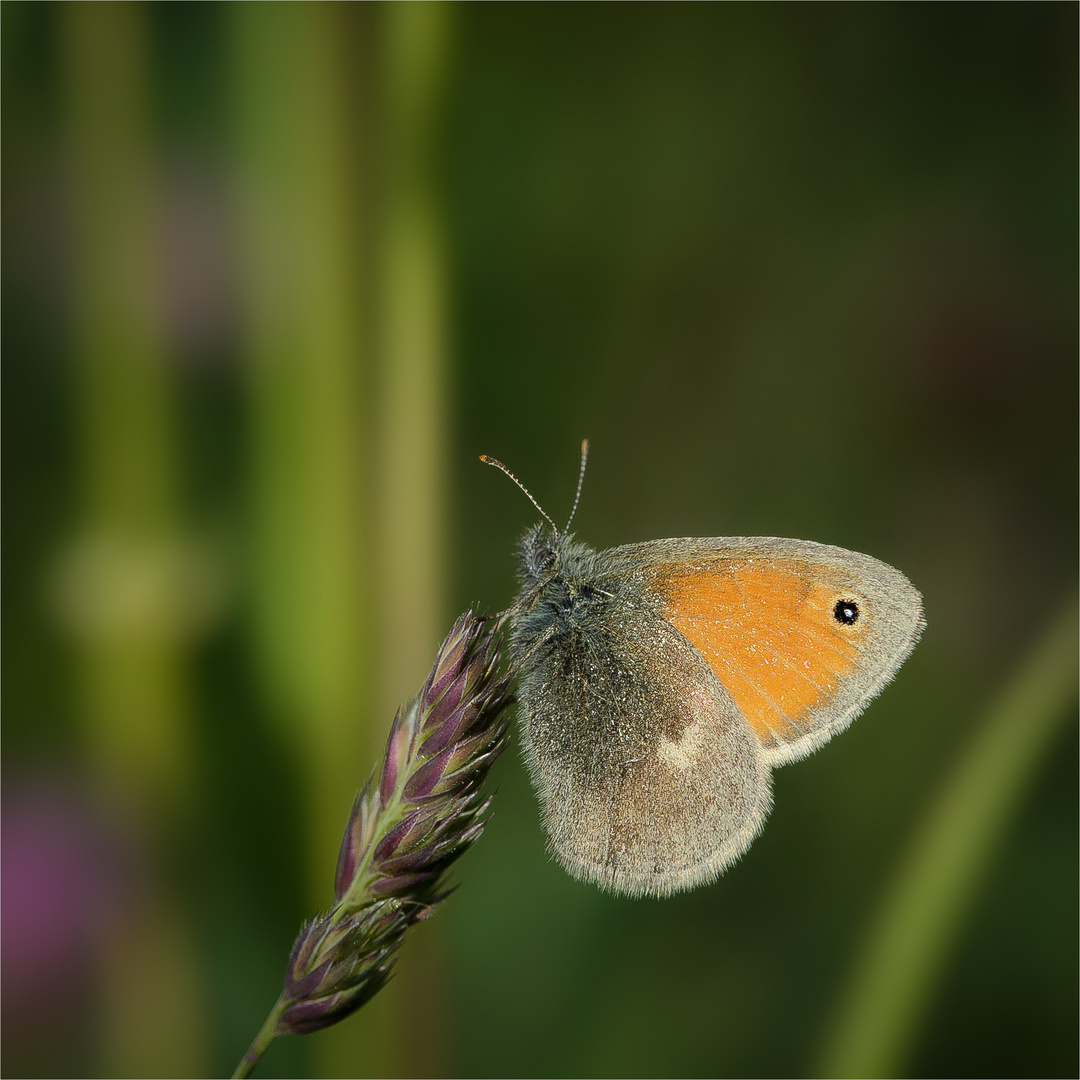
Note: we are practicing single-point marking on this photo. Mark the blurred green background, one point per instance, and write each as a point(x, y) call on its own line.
point(275, 275)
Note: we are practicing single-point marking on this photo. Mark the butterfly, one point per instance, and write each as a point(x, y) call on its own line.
point(660, 683)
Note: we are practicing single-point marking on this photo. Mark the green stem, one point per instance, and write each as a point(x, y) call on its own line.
point(259, 1044)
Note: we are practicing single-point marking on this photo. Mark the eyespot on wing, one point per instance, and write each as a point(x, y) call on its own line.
point(802, 635)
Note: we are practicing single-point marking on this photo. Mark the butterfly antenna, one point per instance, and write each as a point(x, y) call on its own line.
point(499, 465)
point(580, 481)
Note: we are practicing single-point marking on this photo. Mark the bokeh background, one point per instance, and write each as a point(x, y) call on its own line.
point(275, 275)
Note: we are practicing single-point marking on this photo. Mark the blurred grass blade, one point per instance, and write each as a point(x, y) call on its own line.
point(414, 44)
point(300, 134)
point(414, 49)
point(135, 682)
point(121, 588)
point(894, 977)
point(300, 218)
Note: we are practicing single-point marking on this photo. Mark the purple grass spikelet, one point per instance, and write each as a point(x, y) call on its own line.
point(413, 818)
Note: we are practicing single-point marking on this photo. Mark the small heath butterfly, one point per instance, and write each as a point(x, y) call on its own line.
point(660, 683)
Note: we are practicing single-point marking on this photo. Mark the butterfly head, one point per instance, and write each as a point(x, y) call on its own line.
point(544, 547)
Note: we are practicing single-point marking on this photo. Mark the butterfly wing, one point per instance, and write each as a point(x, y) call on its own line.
point(801, 635)
point(649, 779)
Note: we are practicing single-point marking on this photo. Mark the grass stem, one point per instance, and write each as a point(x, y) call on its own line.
point(894, 977)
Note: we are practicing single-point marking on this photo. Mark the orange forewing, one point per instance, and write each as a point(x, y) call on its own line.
point(769, 634)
